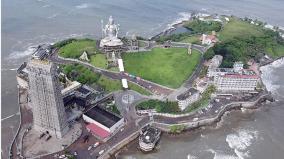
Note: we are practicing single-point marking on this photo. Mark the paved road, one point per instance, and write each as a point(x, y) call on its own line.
point(151, 86)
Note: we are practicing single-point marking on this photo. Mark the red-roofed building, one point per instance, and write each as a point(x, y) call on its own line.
point(208, 39)
point(102, 123)
point(97, 131)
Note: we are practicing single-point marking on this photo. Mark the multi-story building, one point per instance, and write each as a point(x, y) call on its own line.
point(234, 79)
point(187, 98)
point(215, 61)
point(236, 82)
point(46, 100)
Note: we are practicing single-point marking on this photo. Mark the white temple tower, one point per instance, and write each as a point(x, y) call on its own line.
point(46, 99)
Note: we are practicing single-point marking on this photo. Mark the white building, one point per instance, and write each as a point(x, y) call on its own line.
point(234, 79)
point(218, 71)
point(216, 61)
point(102, 123)
point(187, 98)
point(236, 82)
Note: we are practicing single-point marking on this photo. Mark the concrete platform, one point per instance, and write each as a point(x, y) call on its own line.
point(33, 147)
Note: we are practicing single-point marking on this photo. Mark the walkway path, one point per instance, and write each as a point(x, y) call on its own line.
point(151, 86)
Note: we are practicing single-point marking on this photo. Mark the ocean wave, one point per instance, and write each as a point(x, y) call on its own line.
point(20, 54)
point(45, 6)
point(182, 16)
point(240, 142)
point(267, 77)
point(82, 6)
point(219, 155)
point(189, 156)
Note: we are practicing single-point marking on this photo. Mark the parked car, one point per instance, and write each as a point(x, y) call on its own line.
point(96, 144)
point(101, 152)
point(89, 148)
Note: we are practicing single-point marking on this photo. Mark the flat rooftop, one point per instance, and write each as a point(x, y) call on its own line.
point(102, 116)
point(72, 99)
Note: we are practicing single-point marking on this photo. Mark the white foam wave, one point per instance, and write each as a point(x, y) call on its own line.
point(182, 16)
point(241, 141)
point(82, 6)
point(267, 77)
point(189, 156)
point(219, 155)
point(45, 6)
point(21, 54)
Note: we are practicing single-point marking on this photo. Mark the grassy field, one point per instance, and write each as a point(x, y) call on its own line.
point(99, 60)
point(169, 67)
point(239, 28)
point(76, 48)
point(114, 85)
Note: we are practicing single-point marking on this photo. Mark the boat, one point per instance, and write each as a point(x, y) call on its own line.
point(149, 136)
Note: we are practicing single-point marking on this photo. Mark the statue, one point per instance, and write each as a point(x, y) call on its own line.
point(111, 29)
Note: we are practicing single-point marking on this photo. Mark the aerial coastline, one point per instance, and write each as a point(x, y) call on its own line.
point(165, 121)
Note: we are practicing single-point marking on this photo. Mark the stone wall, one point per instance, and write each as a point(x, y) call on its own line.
point(208, 121)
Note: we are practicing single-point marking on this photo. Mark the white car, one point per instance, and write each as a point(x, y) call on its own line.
point(101, 152)
point(96, 144)
point(89, 148)
point(62, 156)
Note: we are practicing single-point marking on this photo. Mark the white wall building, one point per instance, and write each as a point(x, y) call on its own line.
point(102, 123)
point(236, 82)
point(187, 98)
point(216, 61)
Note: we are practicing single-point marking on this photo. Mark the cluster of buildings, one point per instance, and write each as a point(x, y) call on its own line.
point(208, 39)
point(57, 104)
point(232, 79)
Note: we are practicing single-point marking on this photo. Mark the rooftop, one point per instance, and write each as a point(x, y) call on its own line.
point(42, 52)
point(95, 129)
point(102, 116)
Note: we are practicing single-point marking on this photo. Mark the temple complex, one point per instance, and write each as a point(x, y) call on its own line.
point(110, 43)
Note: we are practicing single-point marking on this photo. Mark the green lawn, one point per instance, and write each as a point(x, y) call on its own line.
point(169, 67)
point(159, 106)
point(238, 28)
point(99, 60)
point(77, 47)
point(114, 85)
point(109, 85)
point(138, 89)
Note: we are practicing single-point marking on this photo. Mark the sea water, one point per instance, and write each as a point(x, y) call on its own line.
point(26, 24)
